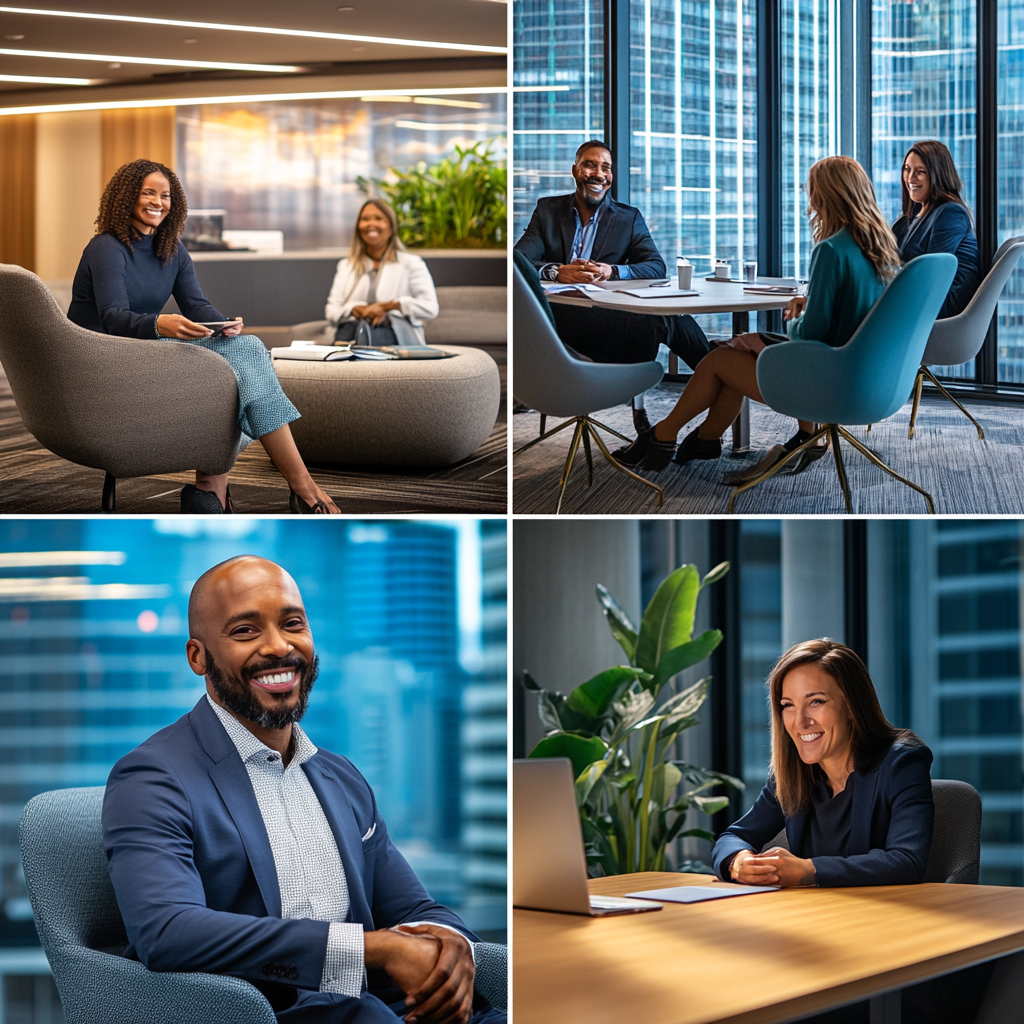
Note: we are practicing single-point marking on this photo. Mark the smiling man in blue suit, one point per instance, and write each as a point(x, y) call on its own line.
point(236, 846)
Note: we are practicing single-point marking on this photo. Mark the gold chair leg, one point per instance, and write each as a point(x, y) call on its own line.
point(576, 434)
point(598, 423)
point(917, 400)
point(867, 453)
point(775, 468)
point(589, 455)
point(618, 465)
point(833, 434)
point(537, 440)
point(942, 390)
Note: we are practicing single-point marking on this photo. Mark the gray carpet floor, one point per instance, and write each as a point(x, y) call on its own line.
point(963, 474)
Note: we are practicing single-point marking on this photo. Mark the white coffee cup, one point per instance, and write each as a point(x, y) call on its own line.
point(723, 269)
point(684, 268)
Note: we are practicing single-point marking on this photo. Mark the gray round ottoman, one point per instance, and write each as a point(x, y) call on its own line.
point(398, 412)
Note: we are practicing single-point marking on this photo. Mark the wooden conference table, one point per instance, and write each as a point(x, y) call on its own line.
point(754, 959)
point(713, 297)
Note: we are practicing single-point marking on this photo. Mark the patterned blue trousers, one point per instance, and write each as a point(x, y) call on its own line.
point(262, 405)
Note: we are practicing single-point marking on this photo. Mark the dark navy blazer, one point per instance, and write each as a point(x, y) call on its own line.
point(194, 875)
point(946, 229)
point(622, 237)
point(890, 825)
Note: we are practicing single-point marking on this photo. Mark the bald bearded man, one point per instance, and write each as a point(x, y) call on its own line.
point(236, 846)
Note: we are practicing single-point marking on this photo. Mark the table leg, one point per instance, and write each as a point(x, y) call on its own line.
point(886, 1008)
point(673, 364)
point(741, 425)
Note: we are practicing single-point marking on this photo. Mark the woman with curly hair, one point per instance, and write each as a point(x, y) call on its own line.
point(128, 271)
point(853, 260)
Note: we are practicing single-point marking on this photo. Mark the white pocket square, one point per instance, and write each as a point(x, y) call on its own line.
point(369, 832)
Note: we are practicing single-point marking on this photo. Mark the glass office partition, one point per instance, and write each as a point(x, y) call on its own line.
point(810, 115)
point(923, 82)
point(1011, 183)
point(558, 95)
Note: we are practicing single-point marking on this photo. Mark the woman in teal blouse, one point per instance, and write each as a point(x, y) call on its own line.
point(855, 257)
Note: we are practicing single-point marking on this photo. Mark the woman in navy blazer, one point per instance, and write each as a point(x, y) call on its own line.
point(852, 791)
point(936, 219)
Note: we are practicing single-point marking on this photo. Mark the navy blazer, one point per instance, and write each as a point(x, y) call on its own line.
point(622, 237)
point(194, 875)
point(946, 229)
point(890, 825)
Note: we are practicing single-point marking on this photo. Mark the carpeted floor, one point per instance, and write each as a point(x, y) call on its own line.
point(963, 474)
point(34, 480)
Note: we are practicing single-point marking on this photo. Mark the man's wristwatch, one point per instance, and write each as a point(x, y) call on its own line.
point(615, 273)
point(549, 272)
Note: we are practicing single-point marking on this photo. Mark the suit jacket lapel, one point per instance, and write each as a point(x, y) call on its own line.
point(604, 226)
point(235, 788)
point(568, 225)
point(342, 820)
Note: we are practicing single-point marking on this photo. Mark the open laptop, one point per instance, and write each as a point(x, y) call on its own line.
point(549, 867)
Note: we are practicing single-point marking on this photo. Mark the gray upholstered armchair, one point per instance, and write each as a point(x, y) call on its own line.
point(129, 406)
point(82, 933)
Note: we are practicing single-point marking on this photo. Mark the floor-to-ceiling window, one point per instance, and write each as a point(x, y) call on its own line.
point(1010, 317)
point(558, 85)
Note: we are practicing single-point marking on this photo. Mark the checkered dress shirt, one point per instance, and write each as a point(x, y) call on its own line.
point(310, 874)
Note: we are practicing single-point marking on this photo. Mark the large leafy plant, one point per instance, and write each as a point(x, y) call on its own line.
point(459, 202)
point(619, 729)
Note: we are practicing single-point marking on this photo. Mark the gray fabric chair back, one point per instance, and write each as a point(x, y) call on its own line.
point(956, 839)
point(130, 406)
point(553, 382)
point(956, 339)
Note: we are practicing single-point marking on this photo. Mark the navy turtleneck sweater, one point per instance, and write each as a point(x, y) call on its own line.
point(117, 291)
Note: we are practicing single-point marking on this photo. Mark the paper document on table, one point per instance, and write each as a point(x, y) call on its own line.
point(554, 288)
point(698, 893)
point(659, 293)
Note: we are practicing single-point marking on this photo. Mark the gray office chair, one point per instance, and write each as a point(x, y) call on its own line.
point(549, 380)
point(83, 936)
point(957, 339)
point(129, 406)
point(956, 837)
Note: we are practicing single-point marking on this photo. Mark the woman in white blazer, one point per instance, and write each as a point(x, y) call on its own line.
point(381, 294)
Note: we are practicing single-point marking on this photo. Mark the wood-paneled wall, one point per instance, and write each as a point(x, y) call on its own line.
point(137, 134)
point(18, 190)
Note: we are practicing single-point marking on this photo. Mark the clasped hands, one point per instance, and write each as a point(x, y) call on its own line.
point(794, 307)
point(583, 272)
point(174, 325)
point(776, 866)
point(375, 312)
point(432, 965)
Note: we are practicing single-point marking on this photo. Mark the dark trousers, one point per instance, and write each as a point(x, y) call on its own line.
point(324, 1008)
point(613, 336)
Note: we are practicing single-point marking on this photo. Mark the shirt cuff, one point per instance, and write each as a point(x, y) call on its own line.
point(437, 924)
point(549, 272)
point(345, 960)
point(625, 274)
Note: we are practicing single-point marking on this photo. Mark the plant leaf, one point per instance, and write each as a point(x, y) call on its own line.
point(588, 779)
point(685, 656)
point(715, 575)
point(698, 833)
point(684, 704)
point(664, 780)
point(548, 713)
point(618, 621)
point(711, 804)
point(630, 708)
point(529, 682)
point(706, 777)
point(593, 697)
point(668, 620)
point(581, 750)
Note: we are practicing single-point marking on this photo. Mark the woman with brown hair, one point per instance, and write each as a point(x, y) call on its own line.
point(853, 260)
point(852, 791)
point(936, 219)
point(129, 270)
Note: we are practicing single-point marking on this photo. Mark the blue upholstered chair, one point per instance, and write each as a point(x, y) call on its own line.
point(83, 936)
point(555, 383)
point(868, 378)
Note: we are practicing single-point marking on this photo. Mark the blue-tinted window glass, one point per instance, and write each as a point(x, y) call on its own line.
point(1010, 163)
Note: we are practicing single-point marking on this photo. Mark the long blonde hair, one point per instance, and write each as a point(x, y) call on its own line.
point(840, 195)
point(357, 254)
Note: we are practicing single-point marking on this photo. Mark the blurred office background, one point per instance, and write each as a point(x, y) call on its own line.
point(933, 606)
point(696, 87)
point(410, 623)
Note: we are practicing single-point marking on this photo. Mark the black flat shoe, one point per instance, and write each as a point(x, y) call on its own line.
point(198, 502)
point(300, 507)
point(646, 452)
point(693, 447)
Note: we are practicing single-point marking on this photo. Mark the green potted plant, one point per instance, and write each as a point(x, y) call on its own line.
point(619, 731)
point(458, 203)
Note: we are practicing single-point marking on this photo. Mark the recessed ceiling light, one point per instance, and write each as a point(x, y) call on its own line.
point(190, 40)
point(15, 38)
point(264, 30)
point(45, 78)
point(218, 65)
point(358, 49)
point(115, 65)
point(345, 10)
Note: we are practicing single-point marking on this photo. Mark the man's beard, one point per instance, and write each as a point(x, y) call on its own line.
point(235, 694)
point(592, 201)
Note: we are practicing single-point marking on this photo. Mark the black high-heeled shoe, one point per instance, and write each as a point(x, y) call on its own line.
point(646, 452)
point(300, 507)
point(195, 501)
point(693, 447)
